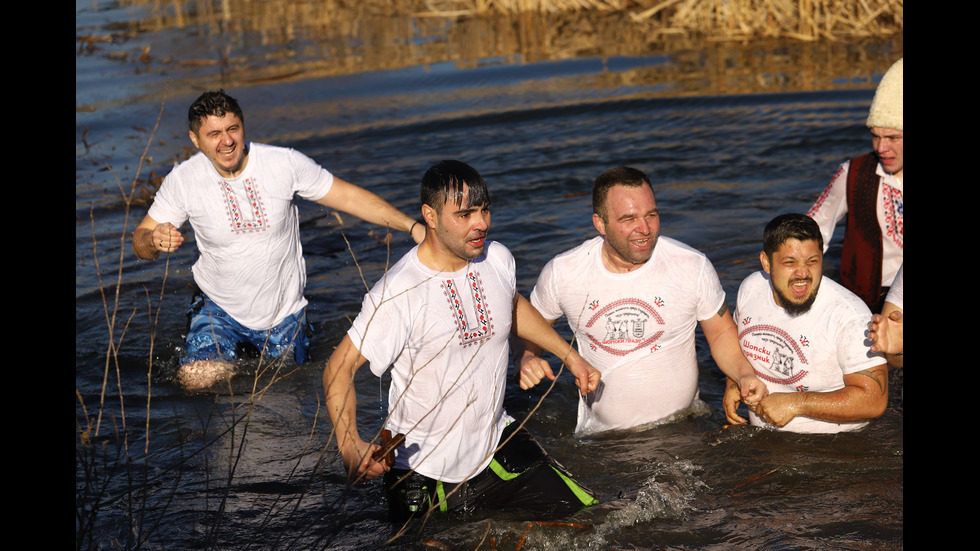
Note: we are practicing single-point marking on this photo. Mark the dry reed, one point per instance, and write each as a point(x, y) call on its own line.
point(711, 19)
point(111, 473)
point(720, 19)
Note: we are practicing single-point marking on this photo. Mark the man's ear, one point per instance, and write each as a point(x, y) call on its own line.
point(429, 215)
point(193, 138)
point(764, 260)
point(599, 225)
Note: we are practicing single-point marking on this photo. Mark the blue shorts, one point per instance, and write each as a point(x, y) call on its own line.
point(214, 335)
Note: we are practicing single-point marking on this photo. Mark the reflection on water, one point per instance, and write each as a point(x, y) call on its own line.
point(731, 134)
point(253, 42)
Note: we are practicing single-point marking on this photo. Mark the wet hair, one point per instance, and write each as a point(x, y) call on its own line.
point(216, 103)
point(789, 226)
point(445, 181)
point(621, 176)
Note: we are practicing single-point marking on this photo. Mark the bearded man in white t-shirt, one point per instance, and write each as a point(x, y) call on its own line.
point(633, 299)
point(439, 320)
point(239, 198)
point(805, 336)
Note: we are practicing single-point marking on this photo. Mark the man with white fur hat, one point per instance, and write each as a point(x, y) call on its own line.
point(869, 190)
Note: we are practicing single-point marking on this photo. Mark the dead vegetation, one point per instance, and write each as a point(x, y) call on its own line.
point(709, 19)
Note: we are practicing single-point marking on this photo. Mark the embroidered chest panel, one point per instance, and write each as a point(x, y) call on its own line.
point(470, 309)
point(244, 206)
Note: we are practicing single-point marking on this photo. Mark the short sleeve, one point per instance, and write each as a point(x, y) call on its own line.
point(895, 293)
point(312, 181)
point(853, 352)
point(544, 296)
point(167, 204)
point(380, 332)
point(831, 206)
point(711, 295)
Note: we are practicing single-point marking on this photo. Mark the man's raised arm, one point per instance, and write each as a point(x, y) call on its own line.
point(368, 206)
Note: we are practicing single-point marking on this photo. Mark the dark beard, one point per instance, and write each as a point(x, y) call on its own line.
point(793, 309)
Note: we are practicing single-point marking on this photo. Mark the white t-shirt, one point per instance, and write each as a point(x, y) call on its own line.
point(831, 207)
point(896, 293)
point(636, 328)
point(247, 229)
point(808, 353)
point(445, 337)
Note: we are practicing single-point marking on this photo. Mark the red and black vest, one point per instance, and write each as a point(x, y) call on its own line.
point(861, 258)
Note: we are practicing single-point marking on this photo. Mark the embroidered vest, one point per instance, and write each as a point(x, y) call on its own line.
point(861, 257)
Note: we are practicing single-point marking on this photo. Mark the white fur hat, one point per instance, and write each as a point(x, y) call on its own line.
point(886, 108)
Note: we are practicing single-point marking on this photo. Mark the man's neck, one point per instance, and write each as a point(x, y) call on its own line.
point(439, 259)
point(615, 264)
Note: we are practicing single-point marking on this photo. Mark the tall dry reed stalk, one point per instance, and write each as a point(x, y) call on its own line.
point(98, 458)
point(110, 474)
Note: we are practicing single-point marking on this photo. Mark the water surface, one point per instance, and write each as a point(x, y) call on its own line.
point(728, 142)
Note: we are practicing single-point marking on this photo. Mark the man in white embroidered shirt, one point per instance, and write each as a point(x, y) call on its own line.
point(440, 318)
point(868, 191)
point(239, 198)
point(805, 336)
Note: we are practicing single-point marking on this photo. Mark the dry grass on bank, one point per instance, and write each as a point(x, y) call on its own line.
point(717, 19)
point(711, 19)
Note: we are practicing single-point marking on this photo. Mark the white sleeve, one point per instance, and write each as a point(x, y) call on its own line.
point(895, 292)
point(312, 180)
point(167, 205)
point(831, 206)
point(380, 331)
point(853, 354)
point(544, 296)
point(711, 295)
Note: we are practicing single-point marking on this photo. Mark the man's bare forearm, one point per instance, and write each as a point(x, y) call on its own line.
point(538, 334)
point(340, 395)
point(143, 244)
point(864, 396)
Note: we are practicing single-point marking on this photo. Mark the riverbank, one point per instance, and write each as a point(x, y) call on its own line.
point(271, 40)
point(715, 20)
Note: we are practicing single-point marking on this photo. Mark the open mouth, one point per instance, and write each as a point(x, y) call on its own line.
point(800, 287)
point(641, 243)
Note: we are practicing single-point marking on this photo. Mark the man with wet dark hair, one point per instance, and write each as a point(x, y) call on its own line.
point(777, 233)
point(633, 299)
point(216, 103)
point(805, 336)
point(239, 198)
point(447, 181)
point(785, 227)
point(440, 319)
